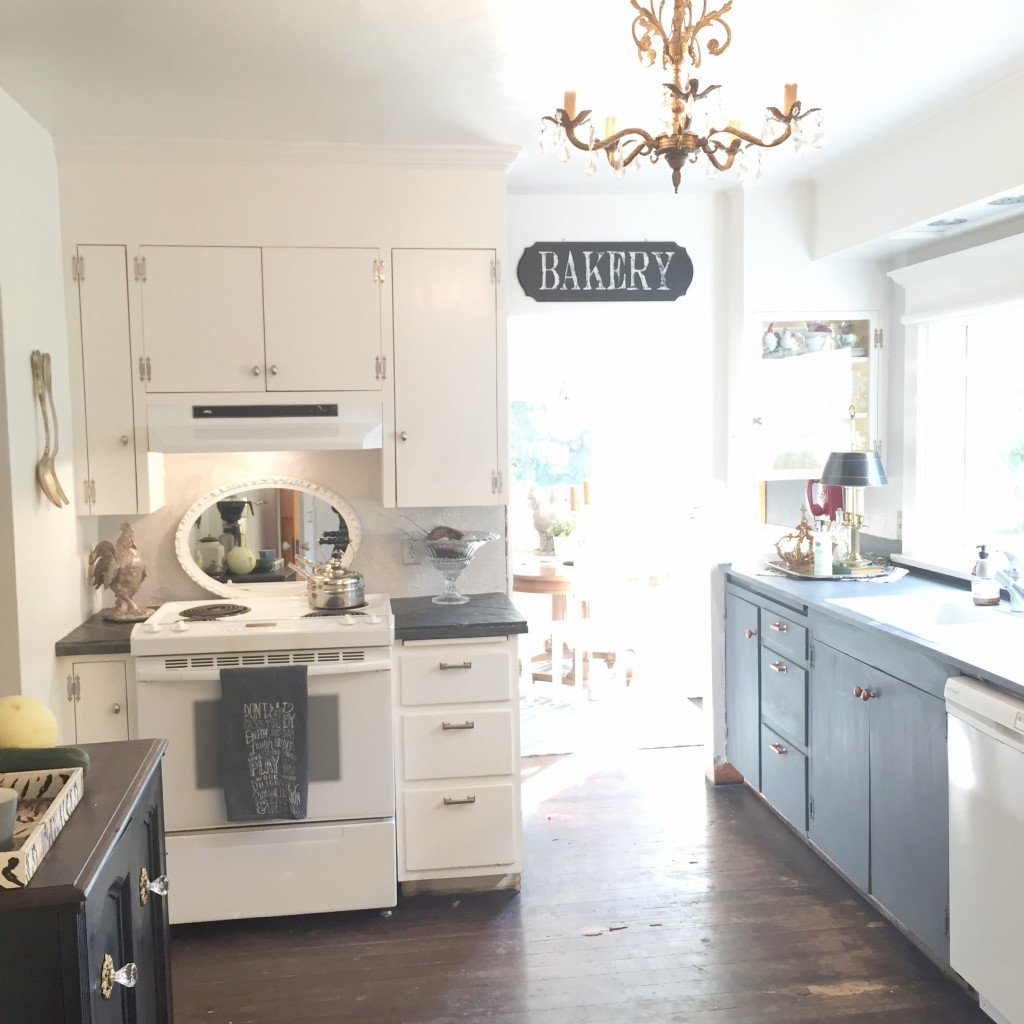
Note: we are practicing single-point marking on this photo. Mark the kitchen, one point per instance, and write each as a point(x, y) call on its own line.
point(167, 194)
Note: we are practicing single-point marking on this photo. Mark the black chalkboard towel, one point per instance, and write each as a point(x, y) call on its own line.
point(264, 732)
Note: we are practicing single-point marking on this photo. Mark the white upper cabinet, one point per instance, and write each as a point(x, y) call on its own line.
point(446, 378)
point(245, 319)
point(202, 318)
point(322, 319)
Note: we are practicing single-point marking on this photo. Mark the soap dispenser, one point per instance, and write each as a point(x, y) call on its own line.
point(984, 585)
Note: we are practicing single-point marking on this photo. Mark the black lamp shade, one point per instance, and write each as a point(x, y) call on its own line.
point(854, 469)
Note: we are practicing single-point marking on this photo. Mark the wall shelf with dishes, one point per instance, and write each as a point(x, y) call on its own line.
point(820, 389)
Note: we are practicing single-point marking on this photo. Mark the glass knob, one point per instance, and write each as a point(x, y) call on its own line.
point(158, 886)
point(127, 976)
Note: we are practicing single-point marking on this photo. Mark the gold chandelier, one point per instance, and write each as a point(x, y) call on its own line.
point(690, 114)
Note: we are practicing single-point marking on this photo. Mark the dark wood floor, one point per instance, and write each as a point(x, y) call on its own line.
point(647, 896)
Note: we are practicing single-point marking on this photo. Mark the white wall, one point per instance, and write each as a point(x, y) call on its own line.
point(40, 561)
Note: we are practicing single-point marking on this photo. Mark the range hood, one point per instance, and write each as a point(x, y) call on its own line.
point(264, 422)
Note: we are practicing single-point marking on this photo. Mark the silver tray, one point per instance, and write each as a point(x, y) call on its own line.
point(877, 570)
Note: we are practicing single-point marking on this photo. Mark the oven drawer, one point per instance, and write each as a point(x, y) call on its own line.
point(453, 673)
point(474, 828)
point(447, 746)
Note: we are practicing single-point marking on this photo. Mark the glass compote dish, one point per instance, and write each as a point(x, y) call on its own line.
point(450, 556)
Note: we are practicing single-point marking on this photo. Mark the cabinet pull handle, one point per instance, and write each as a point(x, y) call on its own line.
point(383, 362)
point(451, 801)
point(779, 627)
point(779, 748)
point(445, 667)
point(157, 886)
point(71, 687)
point(779, 666)
point(748, 633)
point(447, 726)
point(273, 369)
point(125, 439)
point(116, 708)
point(403, 436)
point(863, 693)
point(256, 371)
point(127, 976)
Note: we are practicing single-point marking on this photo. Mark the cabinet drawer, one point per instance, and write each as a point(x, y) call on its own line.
point(475, 828)
point(783, 634)
point(454, 674)
point(450, 745)
point(784, 696)
point(784, 778)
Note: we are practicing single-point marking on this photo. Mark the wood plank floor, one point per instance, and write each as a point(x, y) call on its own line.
point(648, 896)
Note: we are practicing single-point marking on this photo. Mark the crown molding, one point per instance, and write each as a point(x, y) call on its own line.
point(232, 151)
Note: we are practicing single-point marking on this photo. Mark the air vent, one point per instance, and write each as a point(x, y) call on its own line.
point(327, 656)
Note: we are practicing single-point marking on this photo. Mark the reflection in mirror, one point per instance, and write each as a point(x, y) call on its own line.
point(248, 534)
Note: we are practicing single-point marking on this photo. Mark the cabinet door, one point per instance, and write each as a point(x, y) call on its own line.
point(100, 695)
point(322, 319)
point(202, 318)
point(839, 767)
point(910, 810)
point(742, 690)
point(446, 377)
point(107, 480)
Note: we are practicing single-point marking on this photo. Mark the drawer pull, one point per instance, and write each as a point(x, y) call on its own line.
point(147, 885)
point(451, 801)
point(748, 633)
point(779, 748)
point(779, 666)
point(445, 667)
point(127, 976)
point(864, 694)
point(779, 627)
point(449, 726)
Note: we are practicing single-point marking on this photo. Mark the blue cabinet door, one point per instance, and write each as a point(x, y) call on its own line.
point(742, 689)
point(910, 810)
point(838, 762)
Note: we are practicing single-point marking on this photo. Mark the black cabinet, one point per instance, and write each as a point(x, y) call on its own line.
point(90, 910)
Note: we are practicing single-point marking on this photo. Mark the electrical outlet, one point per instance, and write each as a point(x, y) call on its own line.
point(410, 552)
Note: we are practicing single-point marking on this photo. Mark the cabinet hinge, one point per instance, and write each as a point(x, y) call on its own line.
point(77, 268)
point(380, 367)
point(812, 655)
point(140, 268)
point(145, 368)
point(378, 271)
point(879, 338)
point(495, 270)
point(946, 928)
point(810, 808)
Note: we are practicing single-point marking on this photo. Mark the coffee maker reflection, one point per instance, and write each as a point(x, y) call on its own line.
point(231, 511)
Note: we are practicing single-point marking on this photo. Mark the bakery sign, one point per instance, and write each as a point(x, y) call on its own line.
point(605, 271)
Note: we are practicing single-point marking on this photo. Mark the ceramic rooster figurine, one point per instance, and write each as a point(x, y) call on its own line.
point(543, 516)
point(119, 568)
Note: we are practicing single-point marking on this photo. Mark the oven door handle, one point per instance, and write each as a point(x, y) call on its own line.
point(154, 670)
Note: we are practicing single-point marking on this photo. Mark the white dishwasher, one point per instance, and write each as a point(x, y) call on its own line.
point(986, 843)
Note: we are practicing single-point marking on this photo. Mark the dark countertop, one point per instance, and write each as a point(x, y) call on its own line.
point(418, 618)
point(96, 636)
point(993, 659)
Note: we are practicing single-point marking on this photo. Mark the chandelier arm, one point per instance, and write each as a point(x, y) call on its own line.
point(648, 22)
point(569, 125)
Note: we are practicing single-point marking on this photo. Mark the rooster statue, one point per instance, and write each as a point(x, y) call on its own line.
point(544, 514)
point(119, 568)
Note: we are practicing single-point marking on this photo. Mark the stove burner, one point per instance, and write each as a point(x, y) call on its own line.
point(319, 613)
point(205, 612)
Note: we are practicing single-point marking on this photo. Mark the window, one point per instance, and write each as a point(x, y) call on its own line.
point(967, 439)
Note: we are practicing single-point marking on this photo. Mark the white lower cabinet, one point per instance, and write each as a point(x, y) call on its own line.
point(97, 708)
point(457, 761)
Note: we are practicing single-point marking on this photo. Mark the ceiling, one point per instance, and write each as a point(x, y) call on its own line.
point(469, 72)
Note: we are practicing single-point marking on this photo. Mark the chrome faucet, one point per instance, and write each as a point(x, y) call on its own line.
point(1011, 581)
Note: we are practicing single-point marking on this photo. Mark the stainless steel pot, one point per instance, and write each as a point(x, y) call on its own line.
point(331, 586)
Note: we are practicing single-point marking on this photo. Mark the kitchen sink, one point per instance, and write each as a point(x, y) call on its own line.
point(939, 618)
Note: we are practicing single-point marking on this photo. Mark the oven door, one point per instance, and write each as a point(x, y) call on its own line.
point(351, 768)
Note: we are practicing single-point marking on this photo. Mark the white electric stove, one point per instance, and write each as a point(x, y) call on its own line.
point(341, 856)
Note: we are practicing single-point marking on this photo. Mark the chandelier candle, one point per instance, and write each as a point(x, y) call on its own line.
point(688, 116)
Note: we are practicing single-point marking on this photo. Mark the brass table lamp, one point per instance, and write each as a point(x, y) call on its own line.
point(854, 471)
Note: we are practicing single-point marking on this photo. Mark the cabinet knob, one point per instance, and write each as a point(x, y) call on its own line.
point(748, 633)
point(779, 627)
point(125, 439)
point(757, 421)
point(256, 371)
point(116, 708)
point(157, 886)
point(127, 976)
point(273, 370)
point(403, 436)
point(862, 693)
point(779, 666)
point(779, 748)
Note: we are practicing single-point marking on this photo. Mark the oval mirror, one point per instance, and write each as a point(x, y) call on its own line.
point(246, 534)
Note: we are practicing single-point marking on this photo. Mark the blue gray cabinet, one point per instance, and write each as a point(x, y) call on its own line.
point(877, 780)
point(742, 687)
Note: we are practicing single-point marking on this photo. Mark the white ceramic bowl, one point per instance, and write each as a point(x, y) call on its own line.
point(815, 341)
